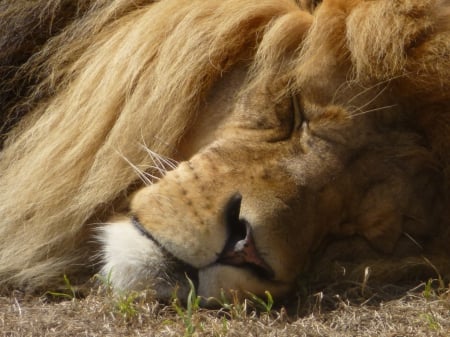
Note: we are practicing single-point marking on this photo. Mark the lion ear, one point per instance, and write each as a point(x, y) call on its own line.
point(380, 220)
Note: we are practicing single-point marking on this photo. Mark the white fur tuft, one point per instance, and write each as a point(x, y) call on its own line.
point(130, 259)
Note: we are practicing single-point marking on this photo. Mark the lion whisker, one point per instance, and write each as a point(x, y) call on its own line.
point(152, 176)
point(339, 88)
point(161, 165)
point(144, 176)
point(356, 108)
point(370, 110)
point(365, 90)
point(161, 162)
point(414, 241)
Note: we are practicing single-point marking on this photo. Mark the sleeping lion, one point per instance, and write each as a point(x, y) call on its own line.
point(229, 142)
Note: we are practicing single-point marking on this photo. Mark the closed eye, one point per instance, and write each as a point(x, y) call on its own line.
point(298, 113)
point(309, 5)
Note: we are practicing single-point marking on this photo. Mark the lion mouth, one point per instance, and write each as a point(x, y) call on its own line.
point(239, 251)
point(188, 270)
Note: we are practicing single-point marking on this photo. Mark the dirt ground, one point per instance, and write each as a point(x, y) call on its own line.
point(420, 311)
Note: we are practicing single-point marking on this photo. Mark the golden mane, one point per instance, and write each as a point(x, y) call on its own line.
point(124, 76)
point(133, 77)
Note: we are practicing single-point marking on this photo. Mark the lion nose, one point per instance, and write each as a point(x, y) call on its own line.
point(240, 249)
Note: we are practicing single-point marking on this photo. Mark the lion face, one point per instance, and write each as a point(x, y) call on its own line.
point(292, 124)
point(247, 209)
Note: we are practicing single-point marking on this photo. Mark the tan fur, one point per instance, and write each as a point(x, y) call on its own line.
point(128, 75)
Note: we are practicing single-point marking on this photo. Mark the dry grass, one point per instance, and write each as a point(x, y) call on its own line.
point(422, 311)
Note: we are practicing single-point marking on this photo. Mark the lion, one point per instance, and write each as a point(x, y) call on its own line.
point(225, 144)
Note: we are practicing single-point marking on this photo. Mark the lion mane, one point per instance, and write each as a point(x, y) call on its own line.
point(88, 86)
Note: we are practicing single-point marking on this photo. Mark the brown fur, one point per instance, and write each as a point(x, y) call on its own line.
point(95, 80)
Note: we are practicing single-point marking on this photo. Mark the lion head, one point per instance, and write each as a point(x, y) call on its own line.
point(225, 141)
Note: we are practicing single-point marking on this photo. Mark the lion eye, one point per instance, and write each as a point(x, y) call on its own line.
point(297, 111)
point(315, 3)
point(309, 5)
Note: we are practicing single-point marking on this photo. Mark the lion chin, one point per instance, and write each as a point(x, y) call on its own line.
point(225, 145)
